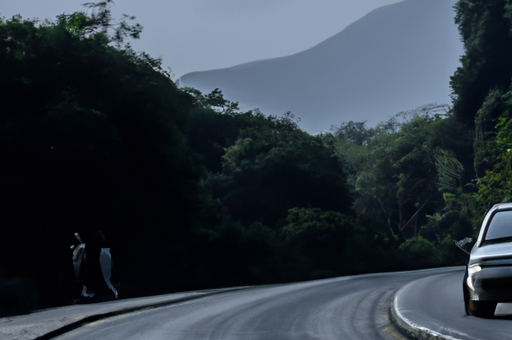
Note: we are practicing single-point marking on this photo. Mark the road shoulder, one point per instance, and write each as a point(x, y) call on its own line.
point(47, 324)
point(409, 328)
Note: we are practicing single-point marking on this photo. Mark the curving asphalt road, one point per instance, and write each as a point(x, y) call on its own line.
point(353, 307)
point(436, 303)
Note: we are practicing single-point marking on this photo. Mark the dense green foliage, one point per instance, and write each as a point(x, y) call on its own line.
point(404, 169)
point(485, 30)
point(403, 174)
point(90, 139)
point(481, 89)
point(193, 192)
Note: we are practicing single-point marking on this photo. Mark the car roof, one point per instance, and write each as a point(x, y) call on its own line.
point(502, 206)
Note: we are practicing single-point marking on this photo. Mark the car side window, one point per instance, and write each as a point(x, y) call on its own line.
point(500, 226)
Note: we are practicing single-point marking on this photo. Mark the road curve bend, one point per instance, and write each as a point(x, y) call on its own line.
point(353, 307)
point(432, 308)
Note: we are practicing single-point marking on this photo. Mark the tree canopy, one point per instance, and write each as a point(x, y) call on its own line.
point(485, 28)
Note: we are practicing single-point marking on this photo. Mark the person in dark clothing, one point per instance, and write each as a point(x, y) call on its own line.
point(96, 270)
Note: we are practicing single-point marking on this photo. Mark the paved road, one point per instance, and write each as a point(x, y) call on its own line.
point(340, 308)
point(436, 302)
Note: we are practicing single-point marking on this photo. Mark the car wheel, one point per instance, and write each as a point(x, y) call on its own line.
point(482, 309)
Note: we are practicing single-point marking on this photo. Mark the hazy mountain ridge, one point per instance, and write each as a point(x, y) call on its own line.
point(395, 58)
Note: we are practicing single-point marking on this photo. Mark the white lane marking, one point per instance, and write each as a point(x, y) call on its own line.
point(414, 325)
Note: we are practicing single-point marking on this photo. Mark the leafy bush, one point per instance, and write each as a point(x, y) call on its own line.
point(419, 252)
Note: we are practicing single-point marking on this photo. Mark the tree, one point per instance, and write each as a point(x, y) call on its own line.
point(273, 166)
point(485, 28)
point(401, 173)
point(323, 238)
point(496, 185)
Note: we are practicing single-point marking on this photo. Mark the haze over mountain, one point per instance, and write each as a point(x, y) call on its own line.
point(395, 58)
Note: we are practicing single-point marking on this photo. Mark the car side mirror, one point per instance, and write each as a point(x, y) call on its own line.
point(462, 243)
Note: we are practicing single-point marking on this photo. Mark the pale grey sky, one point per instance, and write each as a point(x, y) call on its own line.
point(197, 35)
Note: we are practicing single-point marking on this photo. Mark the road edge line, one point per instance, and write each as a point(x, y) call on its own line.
point(409, 328)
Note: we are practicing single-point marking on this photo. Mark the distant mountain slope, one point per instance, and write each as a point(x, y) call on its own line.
point(396, 58)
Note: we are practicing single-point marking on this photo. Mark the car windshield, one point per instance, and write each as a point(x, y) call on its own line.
point(500, 226)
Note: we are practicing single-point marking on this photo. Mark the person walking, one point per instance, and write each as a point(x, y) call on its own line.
point(93, 269)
